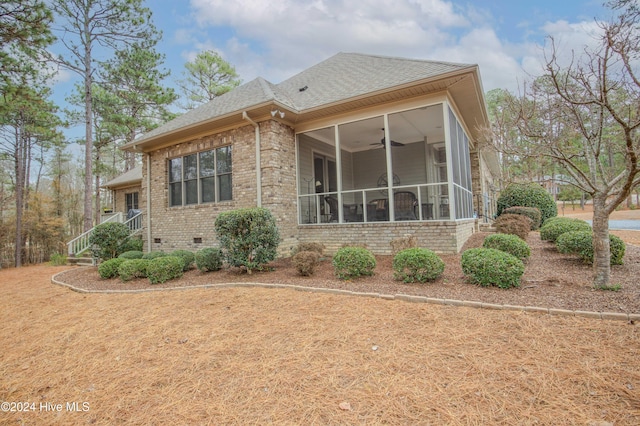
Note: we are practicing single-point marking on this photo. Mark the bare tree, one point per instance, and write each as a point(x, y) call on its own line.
point(585, 116)
point(105, 26)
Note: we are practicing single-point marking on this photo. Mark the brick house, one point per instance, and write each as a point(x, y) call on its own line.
point(318, 149)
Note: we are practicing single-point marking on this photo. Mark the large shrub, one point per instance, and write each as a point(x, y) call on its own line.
point(528, 195)
point(131, 254)
point(553, 229)
point(133, 268)
point(132, 244)
point(248, 237)
point(187, 258)
point(306, 262)
point(507, 243)
point(581, 243)
point(154, 255)
point(108, 239)
point(491, 267)
point(417, 264)
point(209, 259)
point(514, 224)
point(109, 268)
point(352, 262)
point(532, 213)
point(164, 268)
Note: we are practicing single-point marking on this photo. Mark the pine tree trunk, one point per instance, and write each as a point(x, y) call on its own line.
point(601, 249)
point(88, 154)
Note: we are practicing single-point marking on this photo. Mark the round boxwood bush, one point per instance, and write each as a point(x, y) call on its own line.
point(581, 243)
point(514, 224)
point(131, 254)
point(491, 267)
point(528, 195)
point(154, 255)
point(187, 258)
point(305, 262)
point(133, 268)
point(352, 262)
point(164, 268)
point(109, 268)
point(209, 259)
point(553, 229)
point(532, 213)
point(417, 264)
point(107, 239)
point(507, 243)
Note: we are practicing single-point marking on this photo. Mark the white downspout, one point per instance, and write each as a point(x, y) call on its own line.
point(258, 171)
point(148, 203)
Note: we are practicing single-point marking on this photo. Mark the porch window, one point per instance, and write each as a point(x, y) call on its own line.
point(199, 178)
point(394, 167)
point(131, 201)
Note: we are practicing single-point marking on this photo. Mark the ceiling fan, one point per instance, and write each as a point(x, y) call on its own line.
point(384, 145)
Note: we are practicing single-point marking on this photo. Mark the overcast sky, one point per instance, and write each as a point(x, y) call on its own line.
point(276, 39)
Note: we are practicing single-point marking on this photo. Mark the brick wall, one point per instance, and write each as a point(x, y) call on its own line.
point(176, 227)
point(441, 237)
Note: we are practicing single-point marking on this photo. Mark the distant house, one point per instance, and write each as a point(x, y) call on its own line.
point(356, 149)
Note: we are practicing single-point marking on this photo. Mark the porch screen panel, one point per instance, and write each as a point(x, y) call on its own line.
point(175, 182)
point(461, 163)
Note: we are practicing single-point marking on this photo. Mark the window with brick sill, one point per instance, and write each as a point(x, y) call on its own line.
point(200, 178)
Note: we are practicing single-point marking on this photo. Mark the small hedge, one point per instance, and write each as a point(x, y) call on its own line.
point(554, 228)
point(352, 262)
point(154, 255)
point(209, 259)
point(131, 254)
point(528, 195)
point(109, 268)
point(514, 224)
point(507, 243)
point(164, 268)
point(133, 268)
point(532, 213)
point(315, 247)
point(581, 243)
point(491, 267)
point(417, 264)
point(306, 262)
point(187, 258)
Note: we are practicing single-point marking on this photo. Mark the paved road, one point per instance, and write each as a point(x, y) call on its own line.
point(622, 224)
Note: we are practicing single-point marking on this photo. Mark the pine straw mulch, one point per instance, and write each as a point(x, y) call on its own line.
point(551, 280)
point(280, 356)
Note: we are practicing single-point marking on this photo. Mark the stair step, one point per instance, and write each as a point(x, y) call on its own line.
point(80, 261)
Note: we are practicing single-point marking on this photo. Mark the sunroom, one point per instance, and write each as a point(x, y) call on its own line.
point(405, 165)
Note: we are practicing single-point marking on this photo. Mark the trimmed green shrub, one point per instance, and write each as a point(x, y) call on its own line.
point(131, 254)
point(581, 243)
point(552, 230)
point(163, 269)
point(417, 264)
point(108, 239)
point(316, 247)
point(154, 255)
point(132, 244)
point(209, 259)
point(532, 213)
point(352, 262)
point(491, 267)
point(511, 244)
point(249, 237)
point(58, 259)
point(514, 224)
point(528, 195)
point(109, 268)
point(187, 258)
point(133, 268)
point(306, 262)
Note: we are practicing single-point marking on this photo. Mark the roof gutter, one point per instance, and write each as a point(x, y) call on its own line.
point(258, 171)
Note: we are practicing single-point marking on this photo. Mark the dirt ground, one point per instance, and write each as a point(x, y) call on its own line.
point(280, 356)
